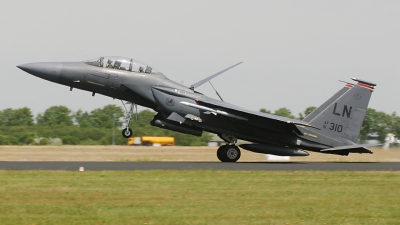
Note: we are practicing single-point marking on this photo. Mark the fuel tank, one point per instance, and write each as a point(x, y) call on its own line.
point(182, 128)
point(274, 150)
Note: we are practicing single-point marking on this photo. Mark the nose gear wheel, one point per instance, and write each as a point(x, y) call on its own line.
point(127, 132)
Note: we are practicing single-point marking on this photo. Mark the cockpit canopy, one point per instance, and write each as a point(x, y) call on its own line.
point(122, 63)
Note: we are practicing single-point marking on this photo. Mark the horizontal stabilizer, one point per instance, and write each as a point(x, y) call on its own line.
point(352, 148)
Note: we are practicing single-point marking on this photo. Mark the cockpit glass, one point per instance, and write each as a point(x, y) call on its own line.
point(95, 62)
point(122, 63)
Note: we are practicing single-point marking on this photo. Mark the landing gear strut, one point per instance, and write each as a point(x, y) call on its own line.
point(229, 152)
point(127, 132)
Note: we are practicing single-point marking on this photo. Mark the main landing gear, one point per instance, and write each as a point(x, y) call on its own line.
point(127, 132)
point(229, 152)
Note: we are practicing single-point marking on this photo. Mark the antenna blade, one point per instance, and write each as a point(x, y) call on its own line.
point(193, 86)
point(219, 96)
point(216, 91)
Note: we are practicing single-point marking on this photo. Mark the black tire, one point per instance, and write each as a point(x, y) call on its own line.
point(127, 132)
point(221, 152)
point(228, 153)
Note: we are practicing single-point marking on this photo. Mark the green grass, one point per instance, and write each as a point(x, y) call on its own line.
point(199, 197)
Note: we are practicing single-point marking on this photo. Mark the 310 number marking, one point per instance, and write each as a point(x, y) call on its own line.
point(335, 127)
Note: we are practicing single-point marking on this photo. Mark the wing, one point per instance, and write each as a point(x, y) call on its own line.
point(252, 118)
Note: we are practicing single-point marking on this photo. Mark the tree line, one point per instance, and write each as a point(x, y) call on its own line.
point(18, 126)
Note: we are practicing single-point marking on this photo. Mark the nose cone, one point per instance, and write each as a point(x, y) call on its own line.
point(48, 71)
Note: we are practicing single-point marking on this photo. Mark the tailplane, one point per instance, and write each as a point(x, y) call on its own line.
point(342, 115)
point(345, 150)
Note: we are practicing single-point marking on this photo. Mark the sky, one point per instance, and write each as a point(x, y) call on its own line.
point(294, 52)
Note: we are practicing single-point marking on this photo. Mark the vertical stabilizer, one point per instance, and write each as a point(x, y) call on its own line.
point(344, 116)
point(321, 108)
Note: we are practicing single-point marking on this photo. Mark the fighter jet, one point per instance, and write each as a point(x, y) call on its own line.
point(333, 128)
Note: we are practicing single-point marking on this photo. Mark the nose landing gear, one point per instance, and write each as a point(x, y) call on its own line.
point(127, 132)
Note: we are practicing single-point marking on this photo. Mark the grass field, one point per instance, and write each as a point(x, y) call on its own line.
point(199, 197)
point(174, 153)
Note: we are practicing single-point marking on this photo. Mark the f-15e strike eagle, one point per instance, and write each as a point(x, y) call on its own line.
point(332, 128)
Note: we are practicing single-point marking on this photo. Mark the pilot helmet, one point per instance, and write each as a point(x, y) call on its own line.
point(117, 64)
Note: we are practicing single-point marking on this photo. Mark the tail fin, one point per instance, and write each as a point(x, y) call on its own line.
point(318, 110)
point(343, 117)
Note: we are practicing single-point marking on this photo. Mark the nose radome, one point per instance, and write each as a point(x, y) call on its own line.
point(49, 71)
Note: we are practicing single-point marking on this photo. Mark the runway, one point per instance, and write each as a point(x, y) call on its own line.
point(271, 166)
